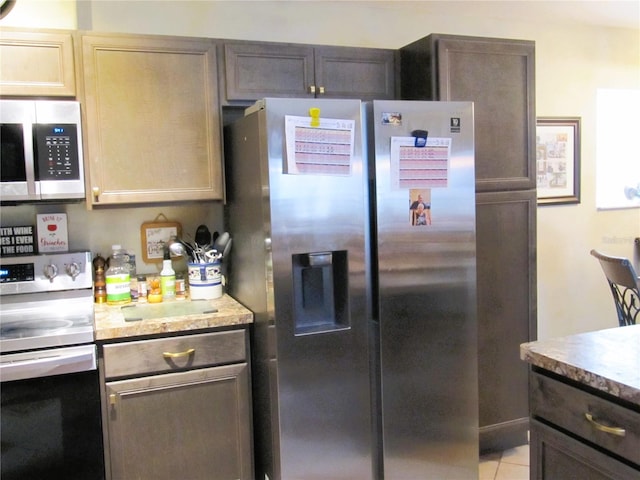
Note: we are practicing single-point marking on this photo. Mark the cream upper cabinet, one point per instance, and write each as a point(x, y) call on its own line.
point(152, 122)
point(36, 63)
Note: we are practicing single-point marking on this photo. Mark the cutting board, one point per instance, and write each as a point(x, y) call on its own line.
point(162, 310)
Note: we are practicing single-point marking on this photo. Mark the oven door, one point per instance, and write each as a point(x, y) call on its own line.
point(51, 424)
point(17, 172)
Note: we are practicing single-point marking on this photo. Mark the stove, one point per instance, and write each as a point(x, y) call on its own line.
point(48, 369)
point(46, 301)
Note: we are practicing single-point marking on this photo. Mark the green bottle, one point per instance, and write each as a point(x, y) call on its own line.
point(117, 278)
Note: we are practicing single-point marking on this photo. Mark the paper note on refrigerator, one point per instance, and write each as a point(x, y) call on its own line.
point(420, 167)
point(326, 149)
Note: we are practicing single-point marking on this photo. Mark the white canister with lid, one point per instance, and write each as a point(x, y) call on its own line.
point(205, 281)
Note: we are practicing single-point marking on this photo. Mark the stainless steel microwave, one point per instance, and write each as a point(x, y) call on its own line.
point(41, 156)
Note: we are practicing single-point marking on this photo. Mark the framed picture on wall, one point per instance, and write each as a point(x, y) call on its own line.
point(558, 160)
point(156, 237)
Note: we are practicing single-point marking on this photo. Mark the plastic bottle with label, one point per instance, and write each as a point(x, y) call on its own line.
point(167, 281)
point(118, 279)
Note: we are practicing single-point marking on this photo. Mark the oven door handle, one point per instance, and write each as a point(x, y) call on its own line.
point(46, 363)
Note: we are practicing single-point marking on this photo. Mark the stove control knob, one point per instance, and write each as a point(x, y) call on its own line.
point(50, 272)
point(73, 270)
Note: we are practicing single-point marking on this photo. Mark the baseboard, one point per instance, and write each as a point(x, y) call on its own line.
point(503, 436)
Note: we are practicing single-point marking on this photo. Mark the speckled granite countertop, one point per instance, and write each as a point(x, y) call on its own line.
point(608, 360)
point(113, 322)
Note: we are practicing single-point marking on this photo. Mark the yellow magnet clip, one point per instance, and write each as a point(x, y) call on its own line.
point(315, 116)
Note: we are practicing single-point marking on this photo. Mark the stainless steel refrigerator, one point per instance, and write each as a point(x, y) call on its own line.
point(354, 246)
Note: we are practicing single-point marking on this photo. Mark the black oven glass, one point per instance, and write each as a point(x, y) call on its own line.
point(51, 428)
point(12, 153)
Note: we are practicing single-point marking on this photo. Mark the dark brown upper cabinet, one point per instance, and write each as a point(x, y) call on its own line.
point(498, 75)
point(254, 70)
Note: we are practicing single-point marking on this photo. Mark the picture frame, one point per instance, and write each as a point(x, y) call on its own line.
point(155, 235)
point(558, 160)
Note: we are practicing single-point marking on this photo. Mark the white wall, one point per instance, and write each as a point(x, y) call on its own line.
point(573, 60)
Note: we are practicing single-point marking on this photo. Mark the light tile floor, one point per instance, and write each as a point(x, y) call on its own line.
point(512, 464)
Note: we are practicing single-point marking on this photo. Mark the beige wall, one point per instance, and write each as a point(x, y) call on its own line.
point(573, 60)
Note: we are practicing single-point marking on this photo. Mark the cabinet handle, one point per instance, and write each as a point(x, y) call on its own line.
point(112, 399)
point(96, 193)
point(620, 432)
point(321, 91)
point(312, 89)
point(186, 353)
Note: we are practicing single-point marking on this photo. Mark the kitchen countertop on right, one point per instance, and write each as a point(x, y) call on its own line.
point(608, 360)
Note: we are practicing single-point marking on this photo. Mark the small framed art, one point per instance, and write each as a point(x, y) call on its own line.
point(558, 160)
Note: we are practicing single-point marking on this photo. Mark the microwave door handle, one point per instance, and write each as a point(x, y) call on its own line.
point(30, 159)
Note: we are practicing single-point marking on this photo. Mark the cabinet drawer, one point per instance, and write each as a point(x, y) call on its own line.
point(568, 407)
point(556, 456)
point(174, 353)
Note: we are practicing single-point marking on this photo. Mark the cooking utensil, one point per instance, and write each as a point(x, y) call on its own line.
point(188, 248)
point(227, 247)
point(177, 249)
point(221, 242)
point(212, 255)
point(203, 236)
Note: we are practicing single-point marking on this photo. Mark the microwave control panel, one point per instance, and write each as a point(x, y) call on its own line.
point(57, 151)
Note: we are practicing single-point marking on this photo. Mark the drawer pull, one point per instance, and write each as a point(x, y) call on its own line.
point(620, 432)
point(186, 353)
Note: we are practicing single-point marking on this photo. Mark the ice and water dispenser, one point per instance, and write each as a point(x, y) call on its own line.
point(320, 285)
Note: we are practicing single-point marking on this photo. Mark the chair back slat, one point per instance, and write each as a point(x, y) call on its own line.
point(623, 283)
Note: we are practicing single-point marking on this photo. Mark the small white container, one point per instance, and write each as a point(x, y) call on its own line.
point(205, 281)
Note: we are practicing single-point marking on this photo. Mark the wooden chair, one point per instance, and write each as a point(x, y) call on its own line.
point(623, 282)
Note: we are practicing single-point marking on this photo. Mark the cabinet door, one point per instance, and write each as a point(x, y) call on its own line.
point(363, 73)
point(152, 119)
point(498, 75)
point(36, 63)
point(191, 425)
point(556, 456)
point(505, 242)
point(259, 70)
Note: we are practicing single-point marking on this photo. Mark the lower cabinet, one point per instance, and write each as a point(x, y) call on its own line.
point(579, 433)
point(556, 456)
point(186, 414)
point(506, 271)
